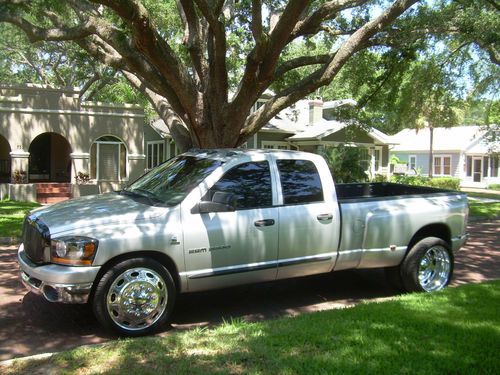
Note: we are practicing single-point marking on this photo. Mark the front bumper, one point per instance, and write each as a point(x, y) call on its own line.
point(55, 282)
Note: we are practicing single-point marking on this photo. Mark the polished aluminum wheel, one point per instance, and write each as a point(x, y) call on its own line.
point(434, 269)
point(137, 298)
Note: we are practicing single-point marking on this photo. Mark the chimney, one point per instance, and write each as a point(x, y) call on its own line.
point(315, 111)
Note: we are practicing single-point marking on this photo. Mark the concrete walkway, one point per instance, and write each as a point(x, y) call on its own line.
point(483, 191)
point(30, 325)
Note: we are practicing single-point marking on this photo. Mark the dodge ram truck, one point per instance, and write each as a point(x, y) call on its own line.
point(211, 219)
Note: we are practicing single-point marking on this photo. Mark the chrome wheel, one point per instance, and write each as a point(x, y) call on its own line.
point(137, 298)
point(434, 269)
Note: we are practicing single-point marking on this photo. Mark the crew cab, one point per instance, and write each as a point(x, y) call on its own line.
point(211, 219)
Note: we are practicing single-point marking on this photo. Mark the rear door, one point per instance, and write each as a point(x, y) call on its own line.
point(309, 219)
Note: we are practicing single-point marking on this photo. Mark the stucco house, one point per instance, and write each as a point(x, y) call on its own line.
point(309, 125)
point(51, 135)
point(459, 152)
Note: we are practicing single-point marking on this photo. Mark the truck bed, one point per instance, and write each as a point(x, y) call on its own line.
point(379, 220)
point(363, 191)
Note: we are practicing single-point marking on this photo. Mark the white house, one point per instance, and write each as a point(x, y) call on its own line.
point(459, 151)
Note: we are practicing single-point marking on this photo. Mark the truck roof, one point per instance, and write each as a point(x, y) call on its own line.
point(224, 154)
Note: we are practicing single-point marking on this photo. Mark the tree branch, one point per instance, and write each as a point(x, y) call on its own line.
point(158, 52)
point(262, 60)
point(312, 24)
point(257, 20)
point(177, 129)
point(325, 74)
point(96, 77)
point(37, 34)
point(193, 37)
point(301, 61)
point(217, 48)
point(279, 37)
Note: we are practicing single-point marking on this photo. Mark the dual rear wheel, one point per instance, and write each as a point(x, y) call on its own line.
point(428, 267)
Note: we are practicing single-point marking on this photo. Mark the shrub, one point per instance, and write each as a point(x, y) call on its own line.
point(410, 180)
point(345, 164)
point(450, 183)
point(379, 178)
point(494, 187)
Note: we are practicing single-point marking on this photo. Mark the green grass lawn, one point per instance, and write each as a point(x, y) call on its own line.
point(487, 210)
point(11, 217)
point(456, 331)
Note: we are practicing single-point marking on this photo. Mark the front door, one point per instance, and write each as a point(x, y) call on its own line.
point(477, 168)
point(237, 247)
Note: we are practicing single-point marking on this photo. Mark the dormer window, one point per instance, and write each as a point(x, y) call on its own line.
point(259, 103)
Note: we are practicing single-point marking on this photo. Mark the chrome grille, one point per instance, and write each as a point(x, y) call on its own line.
point(36, 237)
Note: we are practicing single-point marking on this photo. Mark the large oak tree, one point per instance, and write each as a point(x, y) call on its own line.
point(204, 81)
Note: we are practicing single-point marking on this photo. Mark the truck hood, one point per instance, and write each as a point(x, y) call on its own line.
point(95, 210)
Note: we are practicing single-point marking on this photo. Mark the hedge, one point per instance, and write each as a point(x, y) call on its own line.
point(450, 183)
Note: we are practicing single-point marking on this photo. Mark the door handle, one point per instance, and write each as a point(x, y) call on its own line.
point(264, 223)
point(324, 217)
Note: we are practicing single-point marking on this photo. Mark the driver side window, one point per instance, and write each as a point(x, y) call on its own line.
point(249, 183)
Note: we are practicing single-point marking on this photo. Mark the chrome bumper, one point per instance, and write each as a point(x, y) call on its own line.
point(458, 242)
point(57, 283)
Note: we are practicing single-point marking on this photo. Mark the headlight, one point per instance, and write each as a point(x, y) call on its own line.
point(73, 250)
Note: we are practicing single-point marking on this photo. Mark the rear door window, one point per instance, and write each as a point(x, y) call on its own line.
point(300, 182)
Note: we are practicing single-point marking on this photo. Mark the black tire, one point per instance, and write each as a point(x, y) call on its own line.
point(141, 300)
point(426, 254)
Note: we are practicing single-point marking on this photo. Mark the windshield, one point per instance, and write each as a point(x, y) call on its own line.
point(171, 181)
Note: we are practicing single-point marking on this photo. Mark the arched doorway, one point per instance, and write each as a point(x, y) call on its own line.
point(50, 159)
point(4, 160)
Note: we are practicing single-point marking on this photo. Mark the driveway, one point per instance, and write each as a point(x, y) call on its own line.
point(30, 325)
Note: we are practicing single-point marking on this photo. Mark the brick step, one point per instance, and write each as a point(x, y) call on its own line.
point(51, 200)
point(53, 194)
point(54, 190)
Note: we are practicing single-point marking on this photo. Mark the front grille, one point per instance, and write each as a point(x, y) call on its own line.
point(36, 237)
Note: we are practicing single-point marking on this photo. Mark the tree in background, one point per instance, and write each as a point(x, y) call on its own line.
point(202, 64)
point(453, 45)
point(225, 44)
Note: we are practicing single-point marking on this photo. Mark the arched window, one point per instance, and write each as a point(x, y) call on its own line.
point(108, 159)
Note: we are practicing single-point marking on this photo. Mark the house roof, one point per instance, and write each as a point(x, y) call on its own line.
point(458, 138)
point(319, 130)
point(161, 128)
point(324, 128)
point(281, 124)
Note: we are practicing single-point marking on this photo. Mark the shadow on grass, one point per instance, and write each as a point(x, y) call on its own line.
point(13, 207)
point(456, 331)
point(11, 217)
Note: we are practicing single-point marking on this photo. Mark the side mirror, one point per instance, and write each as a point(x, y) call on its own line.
point(221, 202)
point(206, 207)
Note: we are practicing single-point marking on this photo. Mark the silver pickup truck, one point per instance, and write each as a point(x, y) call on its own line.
point(216, 218)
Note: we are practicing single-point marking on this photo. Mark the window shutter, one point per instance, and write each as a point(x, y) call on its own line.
point(108, 162)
